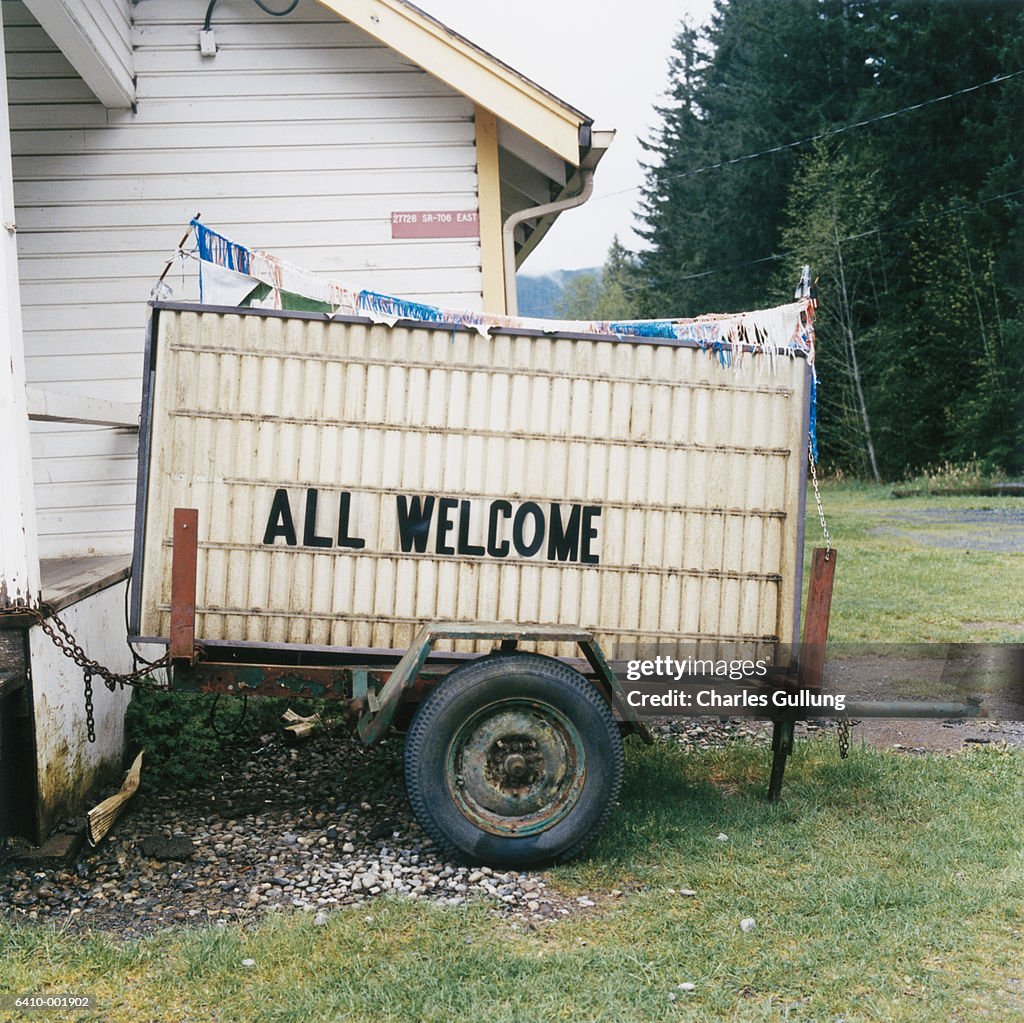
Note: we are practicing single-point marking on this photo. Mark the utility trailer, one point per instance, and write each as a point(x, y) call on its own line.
point(457, 532)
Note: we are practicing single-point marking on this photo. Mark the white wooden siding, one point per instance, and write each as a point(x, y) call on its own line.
point(301, 136)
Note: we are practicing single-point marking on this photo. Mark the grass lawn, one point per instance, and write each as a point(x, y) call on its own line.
point(892, 587)
point(884, 888)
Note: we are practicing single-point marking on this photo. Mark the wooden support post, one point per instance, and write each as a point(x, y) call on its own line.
point(184, 553)
point(812, 657)
point(819, 606)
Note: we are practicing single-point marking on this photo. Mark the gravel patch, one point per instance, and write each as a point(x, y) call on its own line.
point(314, 827)
point(977, 529)
point(311, 828)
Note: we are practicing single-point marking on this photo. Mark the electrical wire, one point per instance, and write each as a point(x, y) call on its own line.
point(228, 733)
point(962, 208)
point(814, 138)
point(259, 3)
point(276, 14)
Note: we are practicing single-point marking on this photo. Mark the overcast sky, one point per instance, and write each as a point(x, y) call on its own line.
point(608, 60)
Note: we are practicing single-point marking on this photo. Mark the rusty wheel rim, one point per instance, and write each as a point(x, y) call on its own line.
point(516, 767)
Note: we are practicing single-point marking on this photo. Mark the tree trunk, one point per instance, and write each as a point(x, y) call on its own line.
point(847, 324)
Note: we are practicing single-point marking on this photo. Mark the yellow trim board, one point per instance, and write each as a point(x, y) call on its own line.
point(489, 199)
point(469, 70)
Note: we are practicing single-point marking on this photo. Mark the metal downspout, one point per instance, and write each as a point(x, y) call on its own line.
point(508, 244)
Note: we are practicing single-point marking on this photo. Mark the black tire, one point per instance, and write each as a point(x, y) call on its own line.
point(513, 760)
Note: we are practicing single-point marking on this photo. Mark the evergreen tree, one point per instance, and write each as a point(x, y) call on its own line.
point(775, 73)
point(614, 294)
point(913, 224)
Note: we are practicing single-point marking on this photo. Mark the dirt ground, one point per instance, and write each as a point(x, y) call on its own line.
point(988, 676)
point(917, 736)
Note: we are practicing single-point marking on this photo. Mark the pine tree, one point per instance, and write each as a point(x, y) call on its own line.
point(614, 294)
point(922, 324)
point(773, 76)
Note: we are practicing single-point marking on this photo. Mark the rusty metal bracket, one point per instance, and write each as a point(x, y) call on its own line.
point(307, 681)
point(375, 722)
point(184, 555)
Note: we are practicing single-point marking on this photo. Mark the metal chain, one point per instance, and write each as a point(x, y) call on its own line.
point(63, 639)
point(69, 646)
point(90, 714)
point(843, 737)
point(817, 500)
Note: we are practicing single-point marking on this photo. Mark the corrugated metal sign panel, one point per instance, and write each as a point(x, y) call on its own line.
point(354, 481)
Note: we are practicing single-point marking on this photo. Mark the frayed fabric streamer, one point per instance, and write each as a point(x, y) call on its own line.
point(226, 267)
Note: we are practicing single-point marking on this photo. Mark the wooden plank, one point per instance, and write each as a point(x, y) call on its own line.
point(176, 184)
point(71, 229)
point(73, 522)
point(19, 562)
point(68, 580)
point(229, 138)
point(68, 471)
point(257, 110)
point(489, 201)
point(237, 16)
point(429, 280)
point(257, 160)
point(819, 606)
point(85, 494)
point(157, 34)
point(55, 407)
point(337, 59)
point(316, 84)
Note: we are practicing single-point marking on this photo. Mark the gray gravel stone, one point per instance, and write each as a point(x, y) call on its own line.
point(279, 828)
point(161, 848)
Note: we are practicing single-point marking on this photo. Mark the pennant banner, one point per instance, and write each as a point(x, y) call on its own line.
point(231, 274)
point(278, 284)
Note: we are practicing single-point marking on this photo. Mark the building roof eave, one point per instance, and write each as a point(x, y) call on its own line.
point(472, 71)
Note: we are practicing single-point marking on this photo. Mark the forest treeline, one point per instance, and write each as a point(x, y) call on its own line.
point(912, 222)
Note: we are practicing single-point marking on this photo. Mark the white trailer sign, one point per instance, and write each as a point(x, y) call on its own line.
point(355, 480)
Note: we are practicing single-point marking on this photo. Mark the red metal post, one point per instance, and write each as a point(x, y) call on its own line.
point(183, 584)
point(819, 606)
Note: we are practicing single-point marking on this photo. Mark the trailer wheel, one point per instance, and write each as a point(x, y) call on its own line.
point(513, 760)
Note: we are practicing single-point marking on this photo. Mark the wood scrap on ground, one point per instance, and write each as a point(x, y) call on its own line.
point(101, 817)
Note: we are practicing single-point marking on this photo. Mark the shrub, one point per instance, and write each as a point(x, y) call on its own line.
point(186, 736)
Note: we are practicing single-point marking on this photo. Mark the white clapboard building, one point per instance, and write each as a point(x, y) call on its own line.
point(331, 136)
